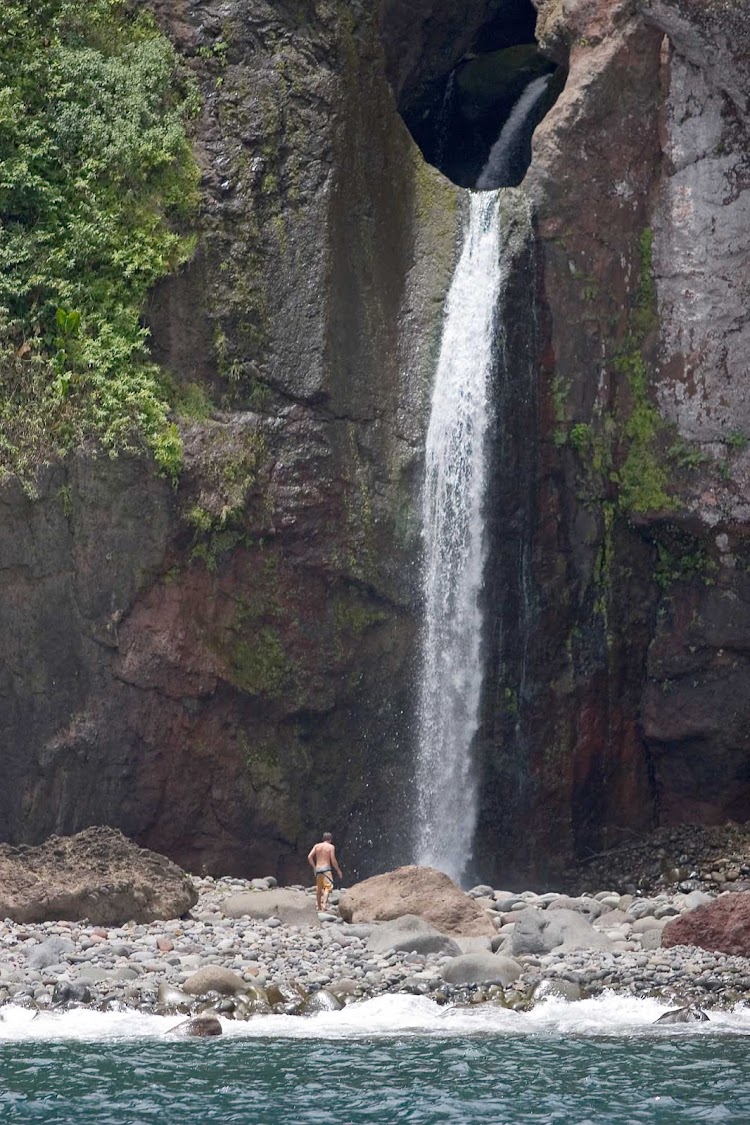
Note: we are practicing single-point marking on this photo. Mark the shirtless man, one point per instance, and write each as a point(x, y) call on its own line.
point(322, 859)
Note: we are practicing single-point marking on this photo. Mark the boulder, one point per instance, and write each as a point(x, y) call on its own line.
point(611, 918)
point(71, 992)
point(541, 931)
point(202, 1027)
point(591, 907)
point(556, 990)
point(691, 1014)
point(214, 978)
point(97, 874)
point(50, 952)
point(294, 908)
point(481, 968)
point(93, 972)
point(416, 890)
point(410, 934)
point(170, 999)
point(322, 1001)
point(475, 944)
point(722, 926)
point(641, 925)
point(696, 898)
point(650, 939)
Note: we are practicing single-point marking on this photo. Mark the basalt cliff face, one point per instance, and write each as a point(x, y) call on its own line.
point(225, 668)
point(625, 703)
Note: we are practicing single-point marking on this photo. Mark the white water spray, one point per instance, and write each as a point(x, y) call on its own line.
point(454, 550)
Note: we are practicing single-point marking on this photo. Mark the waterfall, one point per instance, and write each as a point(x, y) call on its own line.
point(454, 550)
point(507, 152)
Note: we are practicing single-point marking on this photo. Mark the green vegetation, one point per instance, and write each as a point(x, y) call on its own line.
point(560, 393)
point(510, 702)
point(260, 665)
point(680, 560)
point(686, 456)
point(736, 441)
point(97, 185)
point(192, 400)
point(643, 476)
point(354, 616)
point(580, 437)
point(214, 535)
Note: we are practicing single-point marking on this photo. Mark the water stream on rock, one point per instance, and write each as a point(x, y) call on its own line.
point(454, 550)
point(507, 150)
point(456, 470)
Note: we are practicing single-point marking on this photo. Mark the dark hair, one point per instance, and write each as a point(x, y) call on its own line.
point(327, 837)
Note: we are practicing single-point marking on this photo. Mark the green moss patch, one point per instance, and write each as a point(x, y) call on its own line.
point(259, 665)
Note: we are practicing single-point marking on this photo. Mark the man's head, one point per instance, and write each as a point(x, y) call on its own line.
point(328, 838)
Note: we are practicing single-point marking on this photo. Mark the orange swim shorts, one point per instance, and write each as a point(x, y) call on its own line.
point(324, 881)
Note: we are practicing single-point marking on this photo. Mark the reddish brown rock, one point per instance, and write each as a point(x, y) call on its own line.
point(722, 926)
point(97, 874)
point(416, 890)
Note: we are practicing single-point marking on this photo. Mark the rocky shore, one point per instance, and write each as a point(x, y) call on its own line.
point(240, 966)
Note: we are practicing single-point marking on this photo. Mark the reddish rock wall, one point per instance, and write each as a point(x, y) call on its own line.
point(633, 709)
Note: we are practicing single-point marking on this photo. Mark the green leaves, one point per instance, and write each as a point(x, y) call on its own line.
point(97, 180)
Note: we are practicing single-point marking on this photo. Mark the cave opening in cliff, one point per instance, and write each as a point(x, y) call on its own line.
point(474, 119)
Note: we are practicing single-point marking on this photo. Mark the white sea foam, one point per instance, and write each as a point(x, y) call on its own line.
point(612, 1014)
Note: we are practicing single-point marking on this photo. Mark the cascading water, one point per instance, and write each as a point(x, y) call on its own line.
point(455, 472)
point(507, 151)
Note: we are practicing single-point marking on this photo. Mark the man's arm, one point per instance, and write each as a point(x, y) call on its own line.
point(311, 858)
point(334, 862)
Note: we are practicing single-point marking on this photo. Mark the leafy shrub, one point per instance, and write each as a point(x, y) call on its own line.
point(97, 186)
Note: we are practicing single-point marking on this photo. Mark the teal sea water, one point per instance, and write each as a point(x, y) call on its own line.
point(562, 1066)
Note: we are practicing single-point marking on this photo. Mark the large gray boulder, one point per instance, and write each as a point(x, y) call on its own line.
point(539, 931)
point(50, 952)
point(416, 890)
point(214, 978)
point(410, 934)
point(481, 968)
point(475, 944)
point(591, 907)
point(97, 874)
point(294, 908)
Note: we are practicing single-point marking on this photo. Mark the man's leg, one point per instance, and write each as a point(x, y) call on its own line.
point(318, 891)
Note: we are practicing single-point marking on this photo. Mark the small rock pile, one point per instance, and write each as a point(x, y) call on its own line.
point(686, 858)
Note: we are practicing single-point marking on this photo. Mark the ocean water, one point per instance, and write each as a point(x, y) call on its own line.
point(396, 1058)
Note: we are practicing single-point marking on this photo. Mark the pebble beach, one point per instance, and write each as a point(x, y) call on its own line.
point(276, 967)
